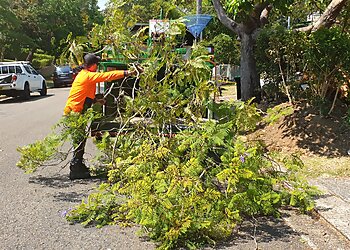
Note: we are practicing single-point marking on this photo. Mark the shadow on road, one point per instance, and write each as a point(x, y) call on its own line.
point(33, 98)
point(59, 181)
point(69, 197)
point(56, 181)
point(263, 230)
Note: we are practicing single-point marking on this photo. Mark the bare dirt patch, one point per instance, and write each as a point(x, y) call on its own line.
point(306, 131)
point(322, 142)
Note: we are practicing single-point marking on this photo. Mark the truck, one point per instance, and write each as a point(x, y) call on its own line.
point(19, 78)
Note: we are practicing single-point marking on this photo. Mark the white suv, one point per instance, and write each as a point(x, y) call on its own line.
point(20, 79)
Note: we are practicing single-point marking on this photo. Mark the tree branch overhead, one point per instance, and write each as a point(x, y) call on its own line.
point(224, 19)
point(328, 17)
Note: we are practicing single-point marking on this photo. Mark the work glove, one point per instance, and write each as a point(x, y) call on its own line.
point(139, 68)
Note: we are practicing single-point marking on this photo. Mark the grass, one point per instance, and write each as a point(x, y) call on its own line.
point(320, 166)
point(317, 166)
point(229, 92)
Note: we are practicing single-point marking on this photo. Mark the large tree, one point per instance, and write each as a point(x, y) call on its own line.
point(10, 29)
point(246, 18)
point(144, 10)
point(48, 22)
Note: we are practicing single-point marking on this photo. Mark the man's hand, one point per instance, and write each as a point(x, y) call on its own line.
point(139, 68)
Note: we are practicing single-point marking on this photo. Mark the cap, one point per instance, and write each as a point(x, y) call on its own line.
point(90, 59)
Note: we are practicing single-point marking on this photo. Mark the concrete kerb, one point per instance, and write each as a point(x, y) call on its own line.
point(333, 205)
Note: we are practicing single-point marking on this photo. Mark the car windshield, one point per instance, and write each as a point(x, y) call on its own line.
point(64, 69)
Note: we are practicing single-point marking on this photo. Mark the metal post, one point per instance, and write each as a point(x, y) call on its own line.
point(199, 7)
point(199, 11)
point(288, 23)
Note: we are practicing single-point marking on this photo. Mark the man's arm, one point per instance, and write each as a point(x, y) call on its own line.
point(95, 77)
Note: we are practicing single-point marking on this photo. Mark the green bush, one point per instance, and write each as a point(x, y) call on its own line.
point(226, 49)
point(328, 62)
point(321, 59)
point(41, 60)
point(280, 55)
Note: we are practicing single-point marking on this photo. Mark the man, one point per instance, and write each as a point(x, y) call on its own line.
point(81, 97)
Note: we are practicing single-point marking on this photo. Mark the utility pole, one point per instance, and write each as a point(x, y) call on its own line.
point(198, 12)
point(199, 7)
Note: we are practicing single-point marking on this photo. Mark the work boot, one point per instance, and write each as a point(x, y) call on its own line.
point(78, 170)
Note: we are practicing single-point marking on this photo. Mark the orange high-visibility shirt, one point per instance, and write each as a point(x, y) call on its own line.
point(84, 86)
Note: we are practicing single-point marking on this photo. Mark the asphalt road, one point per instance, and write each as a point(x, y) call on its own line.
point(31, 206)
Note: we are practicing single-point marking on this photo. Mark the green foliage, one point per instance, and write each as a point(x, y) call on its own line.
point(41, 59)
point(321, 60)
point(241, 9)
point(247, 116)
point(144, 10)
point(35, 154)
point(226, 49)
point(71, 128)
point(327, 60)
point(10, 29)
point(49, 22)
point(279, 57)
point(191, 185)
point(276, 113)
point(192, 188)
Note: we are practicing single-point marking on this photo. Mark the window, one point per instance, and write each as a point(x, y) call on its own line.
point(64, 69)
point(18, 70)
point(27, 69)
point(12, 69)
point(5, 70)
point(33, 70)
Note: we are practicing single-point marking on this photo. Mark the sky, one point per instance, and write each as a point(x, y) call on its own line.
point(102, 3)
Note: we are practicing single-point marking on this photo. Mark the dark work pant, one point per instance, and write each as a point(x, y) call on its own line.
point(78, 154)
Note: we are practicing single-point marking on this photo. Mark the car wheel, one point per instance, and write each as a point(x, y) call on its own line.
point(26, 92)
point(43, 91)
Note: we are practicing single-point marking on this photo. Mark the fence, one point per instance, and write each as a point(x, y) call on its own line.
point(226, 72)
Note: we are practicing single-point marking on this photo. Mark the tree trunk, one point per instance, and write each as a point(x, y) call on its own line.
point(30, 56)
point(2, 54)
point(250, 82)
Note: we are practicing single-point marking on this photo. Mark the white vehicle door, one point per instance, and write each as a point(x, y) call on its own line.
point(33, 78)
